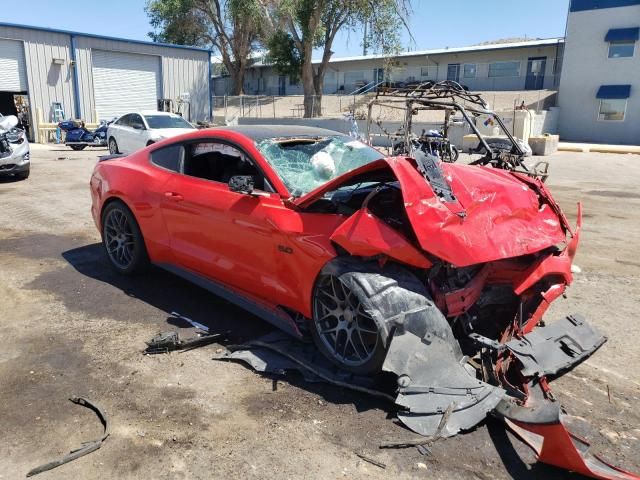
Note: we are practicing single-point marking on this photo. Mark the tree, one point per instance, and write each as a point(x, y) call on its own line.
point(231, 27)
point(293, 28)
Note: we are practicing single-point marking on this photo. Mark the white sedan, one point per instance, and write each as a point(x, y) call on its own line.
point(134, 131)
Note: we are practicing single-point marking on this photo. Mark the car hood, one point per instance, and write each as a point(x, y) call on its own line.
point(169, 132)
point(495, 215)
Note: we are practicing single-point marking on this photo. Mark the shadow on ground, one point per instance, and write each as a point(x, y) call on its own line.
point(98, 291)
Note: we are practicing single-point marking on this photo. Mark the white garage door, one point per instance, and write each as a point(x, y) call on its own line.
point(125, 82)
point(13, 76)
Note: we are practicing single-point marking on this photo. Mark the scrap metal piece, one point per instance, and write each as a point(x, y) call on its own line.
point(278, 352)
point(86, 448)
point(539, 424)
point(169, 341)
point(432, 378)
point(550, 349)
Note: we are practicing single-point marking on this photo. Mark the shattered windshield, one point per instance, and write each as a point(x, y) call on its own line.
point(305, 163)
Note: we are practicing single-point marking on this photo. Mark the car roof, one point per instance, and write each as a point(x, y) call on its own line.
point(155, 112)
point(263, 132)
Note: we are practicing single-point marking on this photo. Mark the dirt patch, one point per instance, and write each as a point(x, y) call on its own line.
point(613, 194)
point(628, 262)
point(80, 329)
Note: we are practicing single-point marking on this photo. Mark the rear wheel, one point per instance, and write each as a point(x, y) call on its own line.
point(113, 146)
point(354, 304)
point(122, 240)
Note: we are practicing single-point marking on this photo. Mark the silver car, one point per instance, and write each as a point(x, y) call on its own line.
point(14, 149)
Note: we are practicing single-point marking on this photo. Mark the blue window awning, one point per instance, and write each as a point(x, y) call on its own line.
point(623, 35)
point(614, 91)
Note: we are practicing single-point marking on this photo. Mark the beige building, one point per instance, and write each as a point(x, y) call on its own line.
point(526, 65)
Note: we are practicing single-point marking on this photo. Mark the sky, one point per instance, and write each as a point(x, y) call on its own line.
point(433, 24)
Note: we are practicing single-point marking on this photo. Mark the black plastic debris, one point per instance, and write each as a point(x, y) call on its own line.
point(86, 448)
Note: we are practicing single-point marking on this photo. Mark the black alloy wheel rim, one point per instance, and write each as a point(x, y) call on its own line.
point(119, 239)
point(345, 329)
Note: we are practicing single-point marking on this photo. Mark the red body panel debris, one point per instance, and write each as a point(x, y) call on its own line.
point(362, 234)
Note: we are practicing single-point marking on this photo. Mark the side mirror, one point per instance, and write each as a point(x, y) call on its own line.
point(137, 126)
point(241, 184)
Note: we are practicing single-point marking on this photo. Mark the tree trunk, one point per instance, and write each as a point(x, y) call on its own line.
point(237, 81)
point(237, 71)
point(318, 85)
point(308, 87)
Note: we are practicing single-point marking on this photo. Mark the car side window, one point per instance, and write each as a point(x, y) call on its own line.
point(170, 157)
point(134, 118)
point(124, 121)
point(219, 162)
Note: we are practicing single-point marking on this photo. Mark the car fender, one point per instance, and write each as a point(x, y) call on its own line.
point(365, 235)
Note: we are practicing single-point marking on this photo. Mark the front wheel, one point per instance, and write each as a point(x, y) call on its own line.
point(452, 154)
point(122, 240)
point(113, 146)
point(77, 148)
point(354, 304)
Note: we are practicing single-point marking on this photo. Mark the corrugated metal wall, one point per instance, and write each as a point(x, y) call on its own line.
point(183, 71)
point(47, 83)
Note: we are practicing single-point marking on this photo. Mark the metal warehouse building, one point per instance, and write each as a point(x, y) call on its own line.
point(45, 73)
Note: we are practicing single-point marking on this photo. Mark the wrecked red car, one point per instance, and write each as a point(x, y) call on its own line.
point(438, 273)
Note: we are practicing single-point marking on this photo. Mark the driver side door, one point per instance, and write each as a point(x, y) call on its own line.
point(223, 235)
point(137, 133)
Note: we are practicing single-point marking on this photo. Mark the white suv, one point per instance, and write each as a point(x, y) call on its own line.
point(134, 131)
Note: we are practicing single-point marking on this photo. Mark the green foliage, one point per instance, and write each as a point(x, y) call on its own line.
point(176, 21)
point(284, 55)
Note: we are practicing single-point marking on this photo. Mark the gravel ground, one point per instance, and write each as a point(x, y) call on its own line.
point(72, 327)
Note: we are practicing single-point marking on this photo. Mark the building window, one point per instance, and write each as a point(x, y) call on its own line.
point(424, 72)
point(612, 110)
point(621, 49)
point(469, 70)
point(504, 69)
point(294, 81)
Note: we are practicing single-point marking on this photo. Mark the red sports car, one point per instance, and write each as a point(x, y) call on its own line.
point(439, 273)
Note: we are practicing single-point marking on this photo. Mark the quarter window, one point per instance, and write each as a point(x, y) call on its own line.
point(124, 121)
point(612, 110)
point(170, 157)
point(504, 69)
point(621, 49)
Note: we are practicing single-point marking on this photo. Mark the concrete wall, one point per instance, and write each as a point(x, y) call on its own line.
point(586, 67)
point(413, 68)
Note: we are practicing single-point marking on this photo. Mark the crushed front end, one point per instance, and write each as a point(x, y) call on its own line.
point(495, 352)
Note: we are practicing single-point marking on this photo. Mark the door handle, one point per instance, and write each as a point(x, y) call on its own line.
point(173, 196)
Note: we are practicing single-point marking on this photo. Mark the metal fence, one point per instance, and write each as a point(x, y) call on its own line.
point(229, 107)
point(288, 106)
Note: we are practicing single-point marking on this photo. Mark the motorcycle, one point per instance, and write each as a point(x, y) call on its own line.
point(433, 143)
point(78, 137)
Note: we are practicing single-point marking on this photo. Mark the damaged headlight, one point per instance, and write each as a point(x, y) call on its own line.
point(15, 136)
